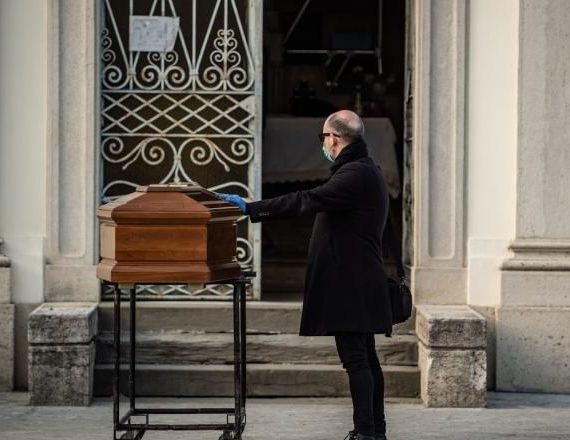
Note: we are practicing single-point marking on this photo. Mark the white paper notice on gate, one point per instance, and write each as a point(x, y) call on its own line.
point(152, 34)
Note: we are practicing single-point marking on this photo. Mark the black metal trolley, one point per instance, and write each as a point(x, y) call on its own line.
point(232, 430)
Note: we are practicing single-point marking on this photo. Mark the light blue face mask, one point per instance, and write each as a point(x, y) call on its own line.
point(327, 154)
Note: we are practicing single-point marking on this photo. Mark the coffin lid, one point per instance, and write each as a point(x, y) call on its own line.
point(167, 203)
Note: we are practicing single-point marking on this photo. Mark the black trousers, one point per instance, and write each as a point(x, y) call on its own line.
point(357, 353)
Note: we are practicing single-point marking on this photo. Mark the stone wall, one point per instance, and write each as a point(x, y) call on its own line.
point(532, 322)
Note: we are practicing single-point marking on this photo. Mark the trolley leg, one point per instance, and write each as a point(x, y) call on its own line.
point(243, 332)
point(132, 346)
point(117, 343)
point(237, 355)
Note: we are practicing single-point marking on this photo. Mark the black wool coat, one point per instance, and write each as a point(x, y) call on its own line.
point(345, 283)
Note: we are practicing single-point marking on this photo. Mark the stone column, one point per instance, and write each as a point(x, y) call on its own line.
point(62, 353)
point(438, 246)
point(452, 356)
point(72, 151)
point(533, 353)
point(7, 312)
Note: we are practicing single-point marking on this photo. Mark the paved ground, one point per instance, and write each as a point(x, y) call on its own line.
point(509, 416)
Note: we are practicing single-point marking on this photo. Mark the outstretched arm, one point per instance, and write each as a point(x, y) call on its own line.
point(340, 192)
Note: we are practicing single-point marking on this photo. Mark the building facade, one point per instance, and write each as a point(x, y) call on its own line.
point(487, 165)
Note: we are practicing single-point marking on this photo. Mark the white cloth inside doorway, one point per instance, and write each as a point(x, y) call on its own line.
point(292, 152)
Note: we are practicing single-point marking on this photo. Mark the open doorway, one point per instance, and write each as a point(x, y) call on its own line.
point(321, 56)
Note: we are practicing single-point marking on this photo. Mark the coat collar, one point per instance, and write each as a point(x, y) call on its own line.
point(354, 151)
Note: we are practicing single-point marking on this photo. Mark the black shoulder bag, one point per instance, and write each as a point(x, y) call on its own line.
point(400, 294)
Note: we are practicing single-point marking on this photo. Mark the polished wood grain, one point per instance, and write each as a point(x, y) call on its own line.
point(168, 234)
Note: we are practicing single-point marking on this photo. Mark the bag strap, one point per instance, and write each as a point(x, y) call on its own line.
point(394, 247)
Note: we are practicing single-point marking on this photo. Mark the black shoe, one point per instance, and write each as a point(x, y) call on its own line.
point(353, 435)
point(380, 437)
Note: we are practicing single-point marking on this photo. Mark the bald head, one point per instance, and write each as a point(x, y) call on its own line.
point(347, 124)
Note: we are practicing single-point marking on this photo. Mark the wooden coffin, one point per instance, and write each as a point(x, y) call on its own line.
point(168, 234)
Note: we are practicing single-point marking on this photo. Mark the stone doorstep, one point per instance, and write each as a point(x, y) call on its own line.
point(262, 380)
point(208, 316)
point(63, 323)
point(216, 348)
point(213, 317)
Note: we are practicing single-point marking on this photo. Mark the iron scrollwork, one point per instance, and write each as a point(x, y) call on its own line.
point(168, 115)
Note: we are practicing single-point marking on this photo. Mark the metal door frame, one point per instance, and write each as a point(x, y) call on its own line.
point(253, 33)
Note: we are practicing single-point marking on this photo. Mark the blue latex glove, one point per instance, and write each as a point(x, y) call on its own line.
point(234, 199)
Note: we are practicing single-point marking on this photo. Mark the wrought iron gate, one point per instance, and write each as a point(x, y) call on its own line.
point(188, 114)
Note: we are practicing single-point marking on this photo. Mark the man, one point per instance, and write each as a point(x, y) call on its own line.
point(346, 295)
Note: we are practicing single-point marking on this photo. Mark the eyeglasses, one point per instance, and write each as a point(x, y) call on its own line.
point(322, 136)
